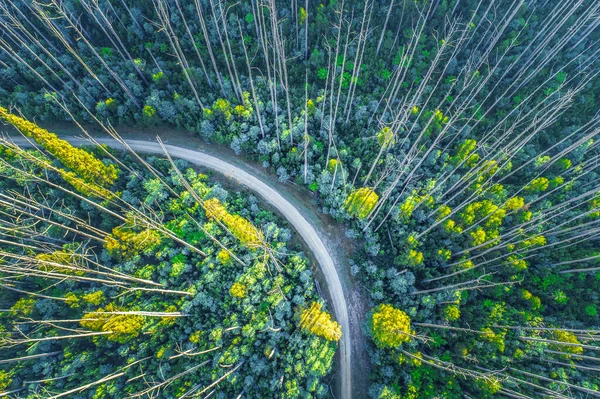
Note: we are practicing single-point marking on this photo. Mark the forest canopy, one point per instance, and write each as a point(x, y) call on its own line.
point(454, 143)
point(106, 298)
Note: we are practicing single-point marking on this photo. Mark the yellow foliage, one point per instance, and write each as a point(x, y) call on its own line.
point(417, 360)
point(537, 185)
point(224, 257)
point(5, 380)
point(497, 339)
point(126, 243)
point(195, 337)
point(318, 322)
point(464, 151)
point(167, 321)
point(557, 181)
point(223, 107)
point(149, 111)
point(514, 203)
point(91, 169)
point(567, 337)
point(452, 312)
point(361, 202)
point(472, 160)
point(412, 241)
point(450, 225)
point(526, 216)
point(332, 165)
point(84, 187)
point(517, 263)
point(494, 221)
point(302, 15)
point(94, 298)
point(487, 170)
point(478, 236)
point(72, 300)
point(24, 306)
point(445, 253)
point(415, 257)
point(385, 137)
point(408, 206)
point(60, 257)
point(479, 210)
point(467, 264)
point(241, 228)
point(534, 300)
point(390, 327)
point(161, 352)
point(595, 207)
point(444, 211)
point(239, 109)
point(123, 327)
point(536, 241)
point(238, 290)
point(490, 385)
point(439, 117)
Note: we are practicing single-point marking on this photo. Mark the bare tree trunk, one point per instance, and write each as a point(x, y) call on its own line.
point(383, 30)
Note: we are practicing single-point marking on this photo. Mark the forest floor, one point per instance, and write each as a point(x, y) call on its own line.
point(329, 246)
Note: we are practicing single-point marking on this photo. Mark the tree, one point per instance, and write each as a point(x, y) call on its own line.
point(80, 161)
point(238, 290)
point(389, 327)
point(122, 327)
point(241, 228)
point(318, 322)
point(361, 202)
point(125, 243)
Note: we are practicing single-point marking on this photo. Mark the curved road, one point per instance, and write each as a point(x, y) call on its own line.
point(294, 217)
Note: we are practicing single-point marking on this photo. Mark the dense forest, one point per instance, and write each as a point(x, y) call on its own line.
point(161, 284)
point(455, 141)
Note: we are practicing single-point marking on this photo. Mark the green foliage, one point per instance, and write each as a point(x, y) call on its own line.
point(137, 291)
point(485, 194)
